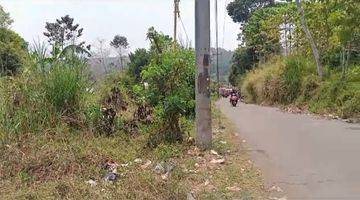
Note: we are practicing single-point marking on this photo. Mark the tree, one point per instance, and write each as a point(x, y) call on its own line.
point(310, 39)
point(243, 61)
point(13, 52)
point(344, 19)
point(120, 44)
point(63, 35)
point(257, 34)
point(159, 41)
point(138, 61)
point(5, 20)
point(241, 10)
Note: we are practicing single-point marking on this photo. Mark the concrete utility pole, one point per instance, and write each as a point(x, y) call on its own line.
point(176, 14)
point(202, 46)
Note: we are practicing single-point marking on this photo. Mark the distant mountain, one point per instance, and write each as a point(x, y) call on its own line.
point(225, 58)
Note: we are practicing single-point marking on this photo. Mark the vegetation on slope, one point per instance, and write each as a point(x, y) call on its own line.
point(275, 64)
point(292, 81)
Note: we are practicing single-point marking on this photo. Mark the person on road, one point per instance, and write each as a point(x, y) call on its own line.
point(234, 93)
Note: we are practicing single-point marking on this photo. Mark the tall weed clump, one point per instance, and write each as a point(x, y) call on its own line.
point(37, 100)
point(66, 87)
point(338, 96)
point(276, 82)
point(23, 105)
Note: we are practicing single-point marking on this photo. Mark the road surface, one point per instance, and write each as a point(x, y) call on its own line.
point(308, 158)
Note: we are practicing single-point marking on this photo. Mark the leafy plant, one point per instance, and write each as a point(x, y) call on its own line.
point(171, 80)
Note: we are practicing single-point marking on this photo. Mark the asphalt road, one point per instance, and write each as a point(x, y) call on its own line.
point(307, 157)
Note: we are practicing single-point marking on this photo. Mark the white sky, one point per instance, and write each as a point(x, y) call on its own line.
point(106, 18)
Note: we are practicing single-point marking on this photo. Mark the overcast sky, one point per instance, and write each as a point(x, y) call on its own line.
point(106, 18)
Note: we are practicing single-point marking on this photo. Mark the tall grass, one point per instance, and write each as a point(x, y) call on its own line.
point(293, 81)
point(65, 87)
point(35, 100)
point(23, 105)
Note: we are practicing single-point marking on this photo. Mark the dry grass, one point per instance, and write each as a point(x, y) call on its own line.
point(56, 165)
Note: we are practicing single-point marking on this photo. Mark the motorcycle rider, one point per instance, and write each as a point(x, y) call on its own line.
point(234, 97)
point(234, 93)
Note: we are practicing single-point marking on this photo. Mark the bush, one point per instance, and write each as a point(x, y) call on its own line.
point(292, 78)
point(171, 79)
point(13, 52)
point(337, 97)
point(309, 87)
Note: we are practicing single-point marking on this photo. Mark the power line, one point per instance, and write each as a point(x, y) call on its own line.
point(184, 28)
point(224, 24)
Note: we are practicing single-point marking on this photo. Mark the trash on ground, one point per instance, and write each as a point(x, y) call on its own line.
point(112, 177)
point(218, 161)
point(214, 152)
point(110, 166)
point(233, 189)
point(138, 161)
point(146, 165)
point(159, 169)
point(276, 189)
point(91, 182)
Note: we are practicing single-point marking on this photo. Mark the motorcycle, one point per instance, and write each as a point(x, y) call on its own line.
point(234, 100)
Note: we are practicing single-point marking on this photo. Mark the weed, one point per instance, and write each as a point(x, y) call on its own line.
point(166, 151)
point(65, 87)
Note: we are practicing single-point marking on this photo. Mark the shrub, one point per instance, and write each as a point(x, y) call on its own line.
point(292, 79)
point(351, 105)
point(171, 79)
point(338, 97)
point(309, 88)
point(13, 52)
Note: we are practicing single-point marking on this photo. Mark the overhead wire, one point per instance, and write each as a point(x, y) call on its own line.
point(224, 24)
point(184, 29)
